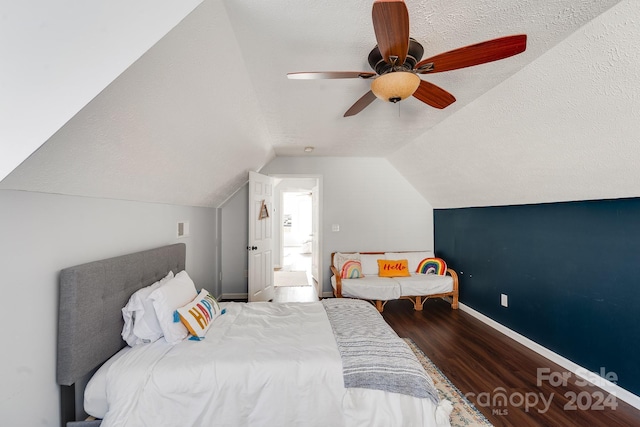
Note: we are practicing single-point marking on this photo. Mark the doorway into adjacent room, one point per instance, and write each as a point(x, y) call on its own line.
point(297, 234)
point(297, 242)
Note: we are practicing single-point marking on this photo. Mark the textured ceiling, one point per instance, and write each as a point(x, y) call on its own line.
point(289, 36)
point(45, 63)
point(211, 101)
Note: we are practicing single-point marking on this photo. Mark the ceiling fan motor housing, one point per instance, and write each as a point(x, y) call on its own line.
point(378, 64)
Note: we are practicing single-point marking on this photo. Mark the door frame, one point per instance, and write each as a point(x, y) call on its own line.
point(318, 178)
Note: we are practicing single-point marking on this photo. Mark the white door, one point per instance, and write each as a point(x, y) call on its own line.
point(260, 248)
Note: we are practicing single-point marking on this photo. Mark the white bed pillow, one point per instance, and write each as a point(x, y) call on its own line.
point(167, 299)
point(95, 393)
point(140, 322)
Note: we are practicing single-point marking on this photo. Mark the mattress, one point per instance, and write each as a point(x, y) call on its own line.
point(261, 364)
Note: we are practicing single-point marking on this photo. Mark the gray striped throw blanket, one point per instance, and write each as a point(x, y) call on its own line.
point(373, 356)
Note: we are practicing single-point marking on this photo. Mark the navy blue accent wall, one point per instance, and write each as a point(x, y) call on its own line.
point(571, 272)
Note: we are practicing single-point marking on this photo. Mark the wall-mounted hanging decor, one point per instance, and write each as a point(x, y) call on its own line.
point(264, 212)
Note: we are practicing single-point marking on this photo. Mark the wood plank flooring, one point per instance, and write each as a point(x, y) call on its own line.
point(478, 359)
point(295, 294)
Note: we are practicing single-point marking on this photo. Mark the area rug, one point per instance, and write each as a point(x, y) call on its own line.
point(290, 278)
point(464, 413)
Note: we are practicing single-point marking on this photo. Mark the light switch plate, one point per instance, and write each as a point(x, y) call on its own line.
point(504, 300)
point(183, 229)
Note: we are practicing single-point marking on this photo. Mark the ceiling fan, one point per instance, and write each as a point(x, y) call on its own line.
point(397, 61)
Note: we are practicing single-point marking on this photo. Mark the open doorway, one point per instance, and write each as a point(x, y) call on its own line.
point(297, 242)
point(297, 233)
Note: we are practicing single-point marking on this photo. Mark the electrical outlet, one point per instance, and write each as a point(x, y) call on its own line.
point(504, 300)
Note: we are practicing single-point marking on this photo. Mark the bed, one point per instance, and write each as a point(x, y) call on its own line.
point(260, 364)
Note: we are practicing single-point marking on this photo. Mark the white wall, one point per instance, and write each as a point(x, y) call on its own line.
point(235, 237)
point(376, 208)
point(43, 233)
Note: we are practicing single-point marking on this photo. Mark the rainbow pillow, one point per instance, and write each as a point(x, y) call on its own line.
point(432, 266)
point(351, 270)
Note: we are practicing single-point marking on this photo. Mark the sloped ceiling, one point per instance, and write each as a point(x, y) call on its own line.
point(211, 101)
point(176, 127)
point(49, 48)
point(565, 127)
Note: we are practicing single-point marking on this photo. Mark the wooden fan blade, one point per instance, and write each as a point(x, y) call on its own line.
point(391, 25)
point(317, 75)
point(475, 54)
point(361, 104)
point(433, 95)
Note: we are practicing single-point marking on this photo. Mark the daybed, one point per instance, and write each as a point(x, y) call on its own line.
point(257, 364)
point(412, 275)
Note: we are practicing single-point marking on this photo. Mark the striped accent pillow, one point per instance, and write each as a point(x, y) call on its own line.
point(198, 315)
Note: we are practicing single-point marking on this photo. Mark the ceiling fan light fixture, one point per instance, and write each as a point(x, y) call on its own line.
point(395, 86)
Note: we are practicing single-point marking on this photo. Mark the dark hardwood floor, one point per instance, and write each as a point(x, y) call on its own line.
point(485, 363)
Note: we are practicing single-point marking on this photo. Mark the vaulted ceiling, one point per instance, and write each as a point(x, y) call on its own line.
point(210, 101)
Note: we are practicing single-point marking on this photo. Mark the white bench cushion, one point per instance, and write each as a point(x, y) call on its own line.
point(424, 284)
point(369, 288)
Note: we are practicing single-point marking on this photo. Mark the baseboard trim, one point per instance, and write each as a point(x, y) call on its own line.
point(570, 366)
point(327, 294)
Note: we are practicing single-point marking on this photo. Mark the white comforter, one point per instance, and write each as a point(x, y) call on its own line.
point(261, 364)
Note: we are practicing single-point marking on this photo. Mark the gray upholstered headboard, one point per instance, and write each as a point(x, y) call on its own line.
point(91, 298)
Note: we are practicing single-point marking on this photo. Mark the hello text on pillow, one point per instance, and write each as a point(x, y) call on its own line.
point(393, 268)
